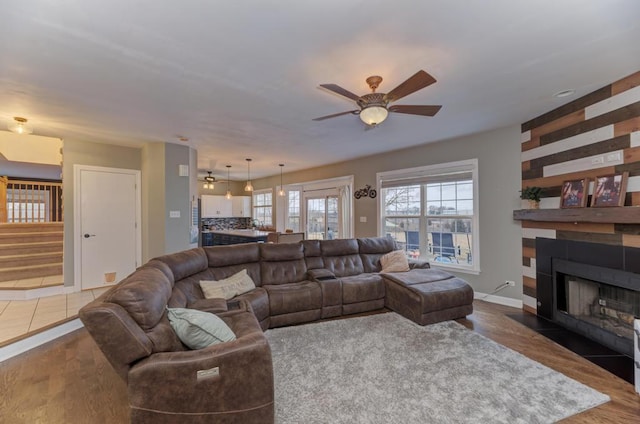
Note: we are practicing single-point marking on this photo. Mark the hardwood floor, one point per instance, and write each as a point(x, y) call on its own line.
point(69, 381)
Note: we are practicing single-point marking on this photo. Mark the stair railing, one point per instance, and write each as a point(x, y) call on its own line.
point(32, 201)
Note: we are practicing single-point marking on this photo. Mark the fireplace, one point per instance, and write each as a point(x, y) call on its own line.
point(590, 288)
point(599, 303)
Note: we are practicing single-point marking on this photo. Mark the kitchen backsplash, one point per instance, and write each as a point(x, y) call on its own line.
point(225, 223)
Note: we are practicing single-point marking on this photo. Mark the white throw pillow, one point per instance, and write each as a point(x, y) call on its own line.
point(229, 287)
point(395, 261)
point(198, 329)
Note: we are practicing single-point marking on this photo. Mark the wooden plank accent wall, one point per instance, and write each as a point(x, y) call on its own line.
point(594, 135)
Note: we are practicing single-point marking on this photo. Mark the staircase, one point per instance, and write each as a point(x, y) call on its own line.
point(30, 250)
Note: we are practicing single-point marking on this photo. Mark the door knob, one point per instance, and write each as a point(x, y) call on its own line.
point(87, 235)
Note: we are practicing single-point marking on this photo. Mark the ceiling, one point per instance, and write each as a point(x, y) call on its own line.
point(240, 78)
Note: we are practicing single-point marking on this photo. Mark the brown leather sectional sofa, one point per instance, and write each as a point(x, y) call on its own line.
point(232, 382)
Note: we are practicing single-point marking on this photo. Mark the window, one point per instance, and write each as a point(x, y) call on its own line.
point(431, 212)
point(293, 210)
point(263, 208)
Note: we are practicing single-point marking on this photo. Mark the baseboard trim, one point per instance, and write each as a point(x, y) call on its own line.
point(24, 345)
point(500, 300)
point(34, 293)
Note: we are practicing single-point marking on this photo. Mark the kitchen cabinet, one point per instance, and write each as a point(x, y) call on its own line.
point(215, 206)
point(241, 206)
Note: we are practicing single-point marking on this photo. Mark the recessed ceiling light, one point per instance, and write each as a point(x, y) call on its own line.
point(183, 138)
point(565, 93)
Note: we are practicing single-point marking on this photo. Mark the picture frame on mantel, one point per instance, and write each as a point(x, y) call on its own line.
point(610, 190)
point(574, 193)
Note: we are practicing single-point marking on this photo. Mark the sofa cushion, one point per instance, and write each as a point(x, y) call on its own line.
point(282, 264)
point(144, 295)
point(295, 297)
point(185, 263)
point(283, 252)
point(395, 261)
point(312, 254)
point(225, 261)
point(258, 301)
point(233, 254)
point(362, 287)
point(372, 248)
point(198, 329)
point(341, 257)
point(228, 288)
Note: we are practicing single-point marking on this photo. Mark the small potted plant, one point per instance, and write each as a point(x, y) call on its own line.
point(532, 194)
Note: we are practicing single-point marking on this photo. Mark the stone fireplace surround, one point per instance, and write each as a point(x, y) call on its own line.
point(583, 258)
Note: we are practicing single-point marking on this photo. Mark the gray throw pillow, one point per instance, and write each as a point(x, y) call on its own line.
point(198, 329)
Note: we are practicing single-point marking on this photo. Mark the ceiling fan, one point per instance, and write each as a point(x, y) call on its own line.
point(374, 107)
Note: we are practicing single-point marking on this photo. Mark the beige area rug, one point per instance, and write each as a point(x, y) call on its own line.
point(386, 369)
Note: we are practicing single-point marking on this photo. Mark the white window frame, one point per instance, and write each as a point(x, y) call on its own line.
point(255, 206)
point(470, 165)
point(286, 202)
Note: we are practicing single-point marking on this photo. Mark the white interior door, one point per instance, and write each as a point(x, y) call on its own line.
point(108, 208)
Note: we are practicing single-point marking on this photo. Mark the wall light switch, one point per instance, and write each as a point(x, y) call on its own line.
point(363, 219)
point(174, 214)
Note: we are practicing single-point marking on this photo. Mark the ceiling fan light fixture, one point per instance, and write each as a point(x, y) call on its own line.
point(374, 115)
point(19, 126)
point(209, 181)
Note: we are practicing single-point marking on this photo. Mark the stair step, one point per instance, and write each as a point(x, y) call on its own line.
point(26, 248)
point(35, 227)
point(30, 259)
point(7, 238)
point(23, 272)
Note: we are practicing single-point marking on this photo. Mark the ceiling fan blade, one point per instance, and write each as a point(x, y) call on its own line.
point(423, 110)
point(322, 118)
point(341, 91)
point(417, 82)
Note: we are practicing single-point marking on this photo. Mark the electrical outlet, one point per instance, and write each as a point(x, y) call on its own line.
point(510, 283)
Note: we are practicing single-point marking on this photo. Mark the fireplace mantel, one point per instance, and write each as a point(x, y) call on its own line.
point(613, 215)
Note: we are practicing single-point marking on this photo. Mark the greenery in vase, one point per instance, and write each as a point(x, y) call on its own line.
point(531, 193)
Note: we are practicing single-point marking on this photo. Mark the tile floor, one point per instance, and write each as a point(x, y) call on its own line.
point(32, 283)
point(19, 317)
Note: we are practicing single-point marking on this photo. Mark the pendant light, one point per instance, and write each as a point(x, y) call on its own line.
point(208, 181)
point(228, 195)
point(248, 187)
point(20, 126)
point(281, 192)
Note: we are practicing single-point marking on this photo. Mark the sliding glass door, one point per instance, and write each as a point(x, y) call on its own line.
point(322, 218)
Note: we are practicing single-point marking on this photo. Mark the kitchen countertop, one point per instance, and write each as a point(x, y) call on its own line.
point(240, 233)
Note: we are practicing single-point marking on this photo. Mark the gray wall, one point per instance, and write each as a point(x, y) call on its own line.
point(93, 154)
point(498, 154)
point(177, 198)
point(153, 200)
point(163, 191)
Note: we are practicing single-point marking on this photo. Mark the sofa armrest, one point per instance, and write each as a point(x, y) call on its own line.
point(215, 306)
point(219, 379)
point(418, 264)
point(331, 287)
